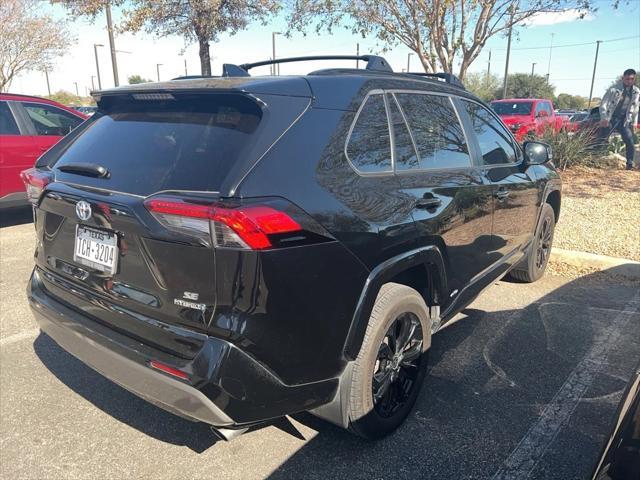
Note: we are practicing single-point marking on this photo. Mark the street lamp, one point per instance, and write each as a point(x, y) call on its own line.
point(273, 46)
point(95, 51)
point(533, 67)
point(76, 84)
point(409, 61)
point(158, 70)
point(93, 85)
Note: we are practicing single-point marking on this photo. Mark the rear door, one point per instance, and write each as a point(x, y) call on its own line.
point(16, 154)
point(50, 124)
point(513, 184)
point(451, 198)
point(123, 228)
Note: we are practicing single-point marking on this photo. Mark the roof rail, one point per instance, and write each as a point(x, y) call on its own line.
point(447, 77)
point(192, 77)
point(374, 62)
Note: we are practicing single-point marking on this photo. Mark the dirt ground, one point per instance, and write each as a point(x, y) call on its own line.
point(600, 212)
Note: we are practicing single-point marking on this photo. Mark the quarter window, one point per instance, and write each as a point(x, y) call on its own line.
point(8, 124)
point(369, 147)
point(495, 142)
point(436, 131)
point(405, 155)
point(50, 120)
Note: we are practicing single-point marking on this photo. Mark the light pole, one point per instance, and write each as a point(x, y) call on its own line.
point(409, 61)
point(357, 55)
point(46, 75)
point(76, 84)
point(185, 67)
point(93, 85)
point(549, 65)
point(158, 70)
point(95, 51)
point(112, 44)
point(273, 46)
point(506, 65)
point(533, 66)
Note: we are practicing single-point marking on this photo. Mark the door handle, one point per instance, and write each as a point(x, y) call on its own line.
point(502, 194)
point(427, 203)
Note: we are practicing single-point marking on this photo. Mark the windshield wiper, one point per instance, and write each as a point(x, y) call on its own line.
point(88, 169)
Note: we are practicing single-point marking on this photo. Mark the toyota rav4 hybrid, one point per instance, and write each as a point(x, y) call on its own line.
point(234, 249)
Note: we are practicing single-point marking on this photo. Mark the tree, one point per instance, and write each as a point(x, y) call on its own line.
point(29, 40)
point(482, 86)
point(196, 20)
point(564, 100)
point(525, 85)
point(135, 79)
point(442, 33)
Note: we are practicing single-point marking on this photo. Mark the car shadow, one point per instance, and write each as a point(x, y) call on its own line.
point(15, 216)
point(489, 378)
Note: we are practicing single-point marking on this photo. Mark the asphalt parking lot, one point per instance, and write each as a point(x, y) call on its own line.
point(523, 385)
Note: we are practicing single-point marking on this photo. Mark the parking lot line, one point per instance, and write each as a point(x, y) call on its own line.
point(534, 444)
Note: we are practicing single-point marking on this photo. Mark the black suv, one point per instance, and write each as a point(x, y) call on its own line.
point(235, 249)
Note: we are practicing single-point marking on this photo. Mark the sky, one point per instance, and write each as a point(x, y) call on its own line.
point(569, 62)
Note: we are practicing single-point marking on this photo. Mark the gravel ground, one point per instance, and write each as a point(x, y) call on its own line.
point(600, 212)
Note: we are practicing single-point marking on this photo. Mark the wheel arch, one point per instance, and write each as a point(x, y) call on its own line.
point(422, 269)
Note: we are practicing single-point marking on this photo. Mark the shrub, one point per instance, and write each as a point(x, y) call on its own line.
point(573, 149)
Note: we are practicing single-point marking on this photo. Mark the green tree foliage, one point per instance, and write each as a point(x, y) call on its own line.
point(29, 39)
point(442, 33)
point(565, 100)
point(135, 79)
point(524, 85)
point(483, 86)
point(67, 98)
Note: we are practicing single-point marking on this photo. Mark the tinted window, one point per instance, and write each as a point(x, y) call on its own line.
point(405, 154)
point(186, 144)
point(50, 120)
point(495, 142)
point(369, 147)
point(7, 123)
point(436, 131)
point(512, 108)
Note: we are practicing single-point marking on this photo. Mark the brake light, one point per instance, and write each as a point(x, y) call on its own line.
point(167, 369)
point(34, 181)
point(245, 227)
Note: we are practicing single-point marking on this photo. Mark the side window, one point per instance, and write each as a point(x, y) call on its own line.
point(436, 131)
point(8, 124)
point(405, 155)
point(495, 142)
point(50, 120)
point(369, 147)
point(549, 108)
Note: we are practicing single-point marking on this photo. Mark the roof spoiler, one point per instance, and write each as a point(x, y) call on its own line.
point(374, 63)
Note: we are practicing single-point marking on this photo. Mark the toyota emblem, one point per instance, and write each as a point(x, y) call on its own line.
point(83, 210)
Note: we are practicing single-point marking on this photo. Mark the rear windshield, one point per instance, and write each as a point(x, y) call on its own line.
point(512, 108)
point(188, 143)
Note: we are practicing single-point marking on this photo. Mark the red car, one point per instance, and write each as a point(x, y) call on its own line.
point(29, 126)
point(527, 116)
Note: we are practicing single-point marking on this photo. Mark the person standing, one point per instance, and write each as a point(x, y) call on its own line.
point(619, 112)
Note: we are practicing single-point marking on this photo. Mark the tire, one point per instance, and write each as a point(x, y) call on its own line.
point(396, 307)
point(535, 263)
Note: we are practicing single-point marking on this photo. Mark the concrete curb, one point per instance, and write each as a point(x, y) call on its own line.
point(624, 267)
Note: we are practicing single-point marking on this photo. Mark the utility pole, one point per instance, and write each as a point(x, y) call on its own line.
point(489, 68)
point(549, 65)
point(112, 45)
point(506, 65)
point(533, 66)
point(76, 84)
point(158, 70)
point(46, 75)
point(185, 67)
point(275, 70)
point(357, 55)
point(93, 85)
point(593, 77)
point(409, 61)
point(95, 51)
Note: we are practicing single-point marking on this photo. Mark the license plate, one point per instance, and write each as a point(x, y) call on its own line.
point(96, 248)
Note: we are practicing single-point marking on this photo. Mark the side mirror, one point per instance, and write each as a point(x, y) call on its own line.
point(537, 153)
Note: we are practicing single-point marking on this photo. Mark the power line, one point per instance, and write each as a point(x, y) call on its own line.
point(566, 45)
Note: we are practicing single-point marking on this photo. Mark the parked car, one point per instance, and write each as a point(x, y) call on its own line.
point(235, 249)
point(620, 457)
point(528, 117)
point(87, 109)
point(28, 127)
point(575, 120)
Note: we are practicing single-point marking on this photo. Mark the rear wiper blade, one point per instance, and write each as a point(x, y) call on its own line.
point(88, 169)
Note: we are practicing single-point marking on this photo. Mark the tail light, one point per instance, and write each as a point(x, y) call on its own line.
point(167, 369)
point(247, 227)
point(34, 181)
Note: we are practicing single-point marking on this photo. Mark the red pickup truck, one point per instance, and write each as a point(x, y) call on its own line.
point(528, 116)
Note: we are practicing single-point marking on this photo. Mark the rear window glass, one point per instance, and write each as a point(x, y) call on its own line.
point(183, 144)
point(369, 147)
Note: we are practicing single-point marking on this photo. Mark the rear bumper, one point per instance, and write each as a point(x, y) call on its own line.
point(226, 387)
